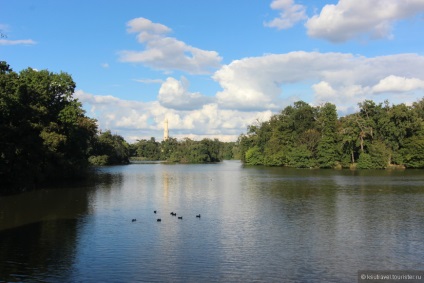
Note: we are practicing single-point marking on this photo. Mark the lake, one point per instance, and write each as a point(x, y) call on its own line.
point(256, 224)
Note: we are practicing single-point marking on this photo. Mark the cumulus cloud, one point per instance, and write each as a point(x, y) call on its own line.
point(398, 84)
point(260, 83)
point(350, 19)
point(174, 94)
point(256, 83)
point(167, 53)
point(255, 88)
point(142, 120)
point(290, 14)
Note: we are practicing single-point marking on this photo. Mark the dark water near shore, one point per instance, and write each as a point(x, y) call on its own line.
point(257, 225)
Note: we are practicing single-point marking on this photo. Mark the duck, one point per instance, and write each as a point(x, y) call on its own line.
point(198, 215)
point(159, 220)
point(180, 217)
point(134, 220)
point(173, 214)
point(154, 212)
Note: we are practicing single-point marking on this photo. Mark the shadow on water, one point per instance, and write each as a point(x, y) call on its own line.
point(39, 229)
point(40, 251)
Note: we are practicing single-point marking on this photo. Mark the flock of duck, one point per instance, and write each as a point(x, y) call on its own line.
point(160, 219)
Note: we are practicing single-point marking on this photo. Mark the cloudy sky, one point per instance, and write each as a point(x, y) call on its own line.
point(213, 67)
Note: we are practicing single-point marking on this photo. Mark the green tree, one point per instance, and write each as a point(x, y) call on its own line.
point(45, 134)
point(147, 149)
point(327, 153)
point(302, 136)
point(168, 148)
point(109, 149)
point(413, 152)
point(254, 156)
point(350, 134)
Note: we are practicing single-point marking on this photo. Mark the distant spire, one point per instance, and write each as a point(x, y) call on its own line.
point(165, 130)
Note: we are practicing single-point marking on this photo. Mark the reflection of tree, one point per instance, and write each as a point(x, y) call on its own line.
point(38, 250)
point(38, 233)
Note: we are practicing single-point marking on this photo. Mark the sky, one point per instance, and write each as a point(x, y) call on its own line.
point(211, 68)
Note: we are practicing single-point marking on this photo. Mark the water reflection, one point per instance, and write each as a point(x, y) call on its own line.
point(38, 233)
point(258, 224)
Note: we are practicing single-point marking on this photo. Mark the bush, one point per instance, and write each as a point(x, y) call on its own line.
point(254, 156)
point(364, 161)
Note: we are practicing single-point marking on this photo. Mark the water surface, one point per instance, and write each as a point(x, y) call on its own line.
point(257, 225)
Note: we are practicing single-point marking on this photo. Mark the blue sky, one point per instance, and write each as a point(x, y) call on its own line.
point(213, 67)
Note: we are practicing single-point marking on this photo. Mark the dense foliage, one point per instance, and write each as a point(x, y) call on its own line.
point(44, 133)
point(378, 136)
point(108, 149)
point(184, 151)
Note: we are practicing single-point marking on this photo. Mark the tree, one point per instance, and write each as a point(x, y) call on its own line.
point(327, 155)
point(147, 149)
point(350, 135)
point(254, 156)
point(45, 134)
point(302, 136)
point(109, 149)
point(413, 152)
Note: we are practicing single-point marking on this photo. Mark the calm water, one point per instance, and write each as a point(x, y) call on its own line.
point(257, 225)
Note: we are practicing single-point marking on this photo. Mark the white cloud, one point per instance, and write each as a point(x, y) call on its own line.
point(260, 83)
point(350, 19)
point(17, 42)
point(142, 120)
point(290, 14)
point(325, 90)
point(167, 53)
point(144, 25)
point(174, 94)
point(398, 84)
point(256, 83)
point(254, 88)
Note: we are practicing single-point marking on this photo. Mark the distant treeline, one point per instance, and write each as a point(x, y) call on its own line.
point(184, 151)
point(302, 136)
point(45, 135)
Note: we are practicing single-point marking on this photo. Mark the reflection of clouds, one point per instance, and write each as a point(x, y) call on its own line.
point(165, 182)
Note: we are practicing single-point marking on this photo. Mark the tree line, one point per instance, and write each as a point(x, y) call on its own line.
point(377, 136)
point(184, 151)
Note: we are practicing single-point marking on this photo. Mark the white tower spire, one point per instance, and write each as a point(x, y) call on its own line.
point(165, 130)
